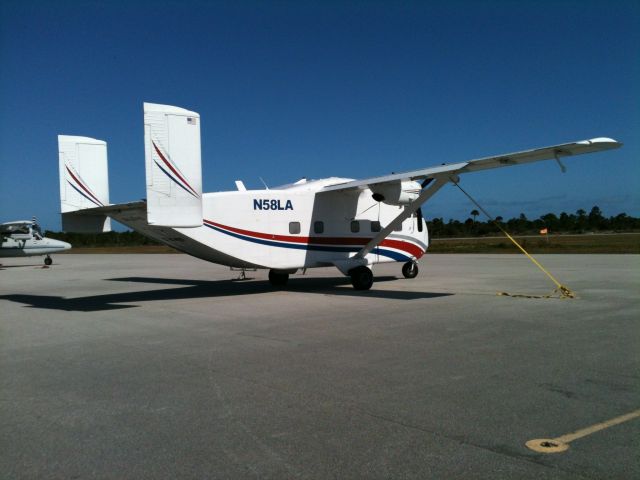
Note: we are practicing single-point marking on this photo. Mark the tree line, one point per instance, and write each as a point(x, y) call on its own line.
point(579, 222)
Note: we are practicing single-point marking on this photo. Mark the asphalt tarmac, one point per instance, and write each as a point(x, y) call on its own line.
point(164, 366)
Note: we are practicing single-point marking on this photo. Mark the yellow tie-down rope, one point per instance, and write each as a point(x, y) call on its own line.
point(562, 290)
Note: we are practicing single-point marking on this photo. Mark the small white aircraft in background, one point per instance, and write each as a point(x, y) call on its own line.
point(24, 238)
point(349, 224)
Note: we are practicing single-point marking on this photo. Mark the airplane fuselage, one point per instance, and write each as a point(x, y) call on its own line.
point(31, 247)
point(288, 228)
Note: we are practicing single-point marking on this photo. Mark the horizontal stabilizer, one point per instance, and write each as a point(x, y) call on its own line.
point(173, 166)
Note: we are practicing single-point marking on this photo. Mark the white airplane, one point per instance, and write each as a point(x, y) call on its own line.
point(24, 238)
point(349, 224)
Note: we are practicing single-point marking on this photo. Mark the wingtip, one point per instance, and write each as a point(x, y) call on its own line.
point(605, 142)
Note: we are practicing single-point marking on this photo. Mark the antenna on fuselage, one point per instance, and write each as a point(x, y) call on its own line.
point(264, 183)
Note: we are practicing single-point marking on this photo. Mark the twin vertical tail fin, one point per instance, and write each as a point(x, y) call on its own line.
point(173, 166)
point(84, 183)
point(173, 172)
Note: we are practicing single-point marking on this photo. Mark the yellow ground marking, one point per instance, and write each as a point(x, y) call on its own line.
point(561, 443)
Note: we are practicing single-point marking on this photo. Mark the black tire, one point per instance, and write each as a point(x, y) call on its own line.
point(361, 278)
point(278, 279)
point(48, 261)
point(410, 270)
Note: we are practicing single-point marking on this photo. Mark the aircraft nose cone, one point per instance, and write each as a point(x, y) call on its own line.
point(65, 245)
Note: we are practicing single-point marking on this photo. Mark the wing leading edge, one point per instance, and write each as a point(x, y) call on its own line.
point(506, 160)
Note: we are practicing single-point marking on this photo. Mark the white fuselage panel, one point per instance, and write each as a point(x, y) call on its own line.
point(288, 229)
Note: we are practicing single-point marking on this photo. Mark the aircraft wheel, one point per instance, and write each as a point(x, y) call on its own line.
point(361, 278)
point(278, 279)
point(410, 270)
point(48, 260)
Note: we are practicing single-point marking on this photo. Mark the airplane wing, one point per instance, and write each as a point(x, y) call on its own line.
point(435, 178)
point(506, 160)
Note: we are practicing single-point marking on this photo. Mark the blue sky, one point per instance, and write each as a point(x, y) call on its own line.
point(318, 89)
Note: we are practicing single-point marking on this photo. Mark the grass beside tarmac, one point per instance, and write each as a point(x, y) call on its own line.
point(585, 243)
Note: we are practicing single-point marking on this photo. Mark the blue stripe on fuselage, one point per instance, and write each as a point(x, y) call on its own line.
point(305, 246)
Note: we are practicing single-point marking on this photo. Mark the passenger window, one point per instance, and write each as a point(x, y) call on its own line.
point(355, 226)
point(375, 226)
point(294, 227)
point(398, 228)
point(318, 227)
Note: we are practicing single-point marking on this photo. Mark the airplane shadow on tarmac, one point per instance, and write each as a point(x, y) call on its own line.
point(30, 265)
point(210, 289)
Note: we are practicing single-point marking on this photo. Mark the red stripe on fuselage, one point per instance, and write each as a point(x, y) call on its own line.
point(405, 246)
point(410, 248)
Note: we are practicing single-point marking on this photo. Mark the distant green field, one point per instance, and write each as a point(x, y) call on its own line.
point(587, 243)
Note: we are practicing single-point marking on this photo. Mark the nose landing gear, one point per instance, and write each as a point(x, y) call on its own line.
point(410, 270)
point(48, 261)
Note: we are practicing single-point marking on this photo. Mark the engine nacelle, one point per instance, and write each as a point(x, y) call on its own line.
point(395, 193)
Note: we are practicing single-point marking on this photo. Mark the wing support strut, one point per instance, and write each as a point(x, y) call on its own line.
point(556, 155)
point(425, 194)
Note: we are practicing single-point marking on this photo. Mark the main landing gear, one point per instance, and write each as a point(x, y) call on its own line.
point(48, 261)
point(410, 270)
point(361, 278)
point(277, 278)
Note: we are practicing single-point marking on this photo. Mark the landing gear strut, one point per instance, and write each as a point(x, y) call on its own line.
point(410, 270)
point(278, 279)
point(361, 278)
point(48, 261)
